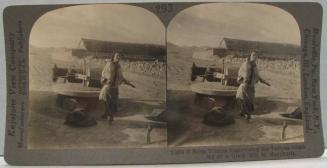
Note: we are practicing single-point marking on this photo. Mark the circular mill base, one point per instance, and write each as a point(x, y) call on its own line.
point(214, 89)
point(76, 90)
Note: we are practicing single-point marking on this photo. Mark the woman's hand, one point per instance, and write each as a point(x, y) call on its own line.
point(265, 82)
point(240, 80)
point(131, 85)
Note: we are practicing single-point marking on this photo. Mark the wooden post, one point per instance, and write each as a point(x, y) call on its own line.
point(284, 130)
point(148, 133)
point(84, 70)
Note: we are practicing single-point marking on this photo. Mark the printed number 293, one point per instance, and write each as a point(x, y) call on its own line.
point(164, 8)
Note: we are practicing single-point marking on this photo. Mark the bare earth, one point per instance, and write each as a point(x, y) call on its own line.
point(185, 119)
point(47, 131)
point(46, 128)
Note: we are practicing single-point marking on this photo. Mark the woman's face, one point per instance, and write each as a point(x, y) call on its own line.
point(253, 57)
point(117, 57)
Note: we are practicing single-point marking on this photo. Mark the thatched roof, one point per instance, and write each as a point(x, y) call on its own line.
point(126, 48)
point(259, 46)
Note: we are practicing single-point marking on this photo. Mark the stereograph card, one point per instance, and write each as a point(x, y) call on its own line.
point(168, 82)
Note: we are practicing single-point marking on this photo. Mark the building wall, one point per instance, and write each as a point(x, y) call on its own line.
point(131, 57)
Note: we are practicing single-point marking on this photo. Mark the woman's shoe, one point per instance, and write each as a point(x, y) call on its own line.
point(248, 118)
point(110, 119)
point(104, 116)
point(242, 115)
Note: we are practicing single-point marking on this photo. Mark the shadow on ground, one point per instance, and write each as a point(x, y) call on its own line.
point(47, 129)
point(185, 127)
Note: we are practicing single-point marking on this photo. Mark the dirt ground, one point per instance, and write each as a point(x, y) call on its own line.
point(185, 119)
point(185, 127)
point(46, 120)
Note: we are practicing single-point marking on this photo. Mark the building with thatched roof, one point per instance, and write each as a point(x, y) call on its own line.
point(242, 48)
point(131, 51)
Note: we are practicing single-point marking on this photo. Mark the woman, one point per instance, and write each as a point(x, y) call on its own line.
point(111, 78)
point(248, 76)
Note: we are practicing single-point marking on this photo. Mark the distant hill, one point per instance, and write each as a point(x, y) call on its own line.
point(41, 62)
point(56, 54)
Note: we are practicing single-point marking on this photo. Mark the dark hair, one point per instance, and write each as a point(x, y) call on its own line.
point(113, 55)
point(248, 57)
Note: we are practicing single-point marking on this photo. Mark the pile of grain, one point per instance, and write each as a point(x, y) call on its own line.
point(149, 68)
point(154, 69)
point(287, 67)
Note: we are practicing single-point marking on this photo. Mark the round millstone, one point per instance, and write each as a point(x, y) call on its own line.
point(213, 89)
point(75, 90)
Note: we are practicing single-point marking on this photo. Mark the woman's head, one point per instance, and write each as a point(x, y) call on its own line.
point(253, 56)
point(116, 57)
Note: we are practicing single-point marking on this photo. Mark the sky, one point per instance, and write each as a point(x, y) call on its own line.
point(201, 25)
point(207, 24)
point(112, 22)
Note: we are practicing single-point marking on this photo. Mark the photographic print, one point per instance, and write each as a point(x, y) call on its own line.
point(97, 78)
point(233, 76)
point(168, 82)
